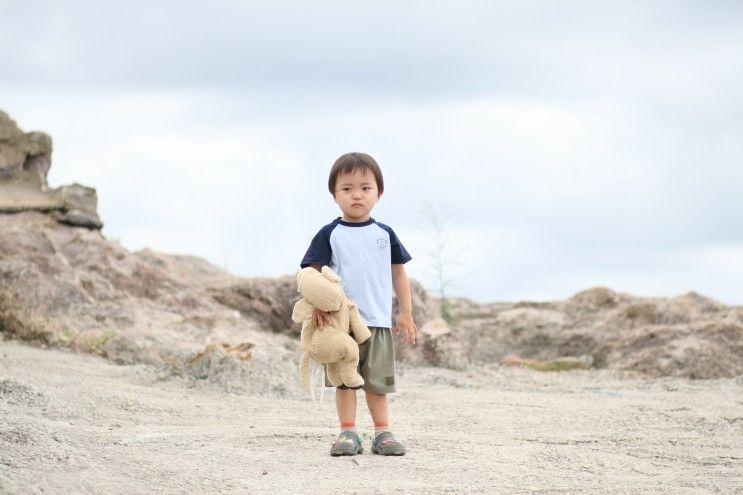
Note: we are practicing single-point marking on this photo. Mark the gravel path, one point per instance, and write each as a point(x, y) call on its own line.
point(78, 424)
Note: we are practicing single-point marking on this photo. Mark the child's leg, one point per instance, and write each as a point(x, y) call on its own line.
point(345, 404)
point(348, 442)
point(379, 410)
point(384, 441)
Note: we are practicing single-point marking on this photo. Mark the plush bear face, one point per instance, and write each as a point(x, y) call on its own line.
point(322, 290)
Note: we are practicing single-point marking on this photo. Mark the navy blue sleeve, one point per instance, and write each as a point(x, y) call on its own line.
point(319, 251)
point(399, 253)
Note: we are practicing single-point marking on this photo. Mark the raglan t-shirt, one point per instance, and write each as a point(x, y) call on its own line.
point(361, 254)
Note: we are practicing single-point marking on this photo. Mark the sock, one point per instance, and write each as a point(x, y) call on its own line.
point(381, 428)
point(348, 426)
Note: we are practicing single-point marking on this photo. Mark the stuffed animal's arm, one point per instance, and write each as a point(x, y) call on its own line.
point(360, 331)
point(302, 311)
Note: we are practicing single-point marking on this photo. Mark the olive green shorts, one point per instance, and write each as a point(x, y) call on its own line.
point(376, 362)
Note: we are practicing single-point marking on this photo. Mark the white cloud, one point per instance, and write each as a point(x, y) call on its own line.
point(546, 200)
point(577, 146)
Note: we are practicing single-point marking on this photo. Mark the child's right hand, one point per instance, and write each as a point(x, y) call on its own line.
point(321, 318)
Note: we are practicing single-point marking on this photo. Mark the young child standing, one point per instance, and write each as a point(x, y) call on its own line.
point(370, 260)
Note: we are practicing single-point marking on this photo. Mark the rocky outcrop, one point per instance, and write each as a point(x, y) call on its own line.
point(689, 335)
point(70, 287)
point(25, 160)
point(25, 157)
point(437, 345)
point(63, 283)
point(269, 301)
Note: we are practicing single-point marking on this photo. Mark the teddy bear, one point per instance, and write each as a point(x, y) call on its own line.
point(332, 345)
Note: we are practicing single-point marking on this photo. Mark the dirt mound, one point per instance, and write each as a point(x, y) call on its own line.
point(70, 287)
point(13, 392)
point(239, 369)
point(690, 335)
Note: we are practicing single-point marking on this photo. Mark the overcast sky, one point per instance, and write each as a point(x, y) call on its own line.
point(575, 144)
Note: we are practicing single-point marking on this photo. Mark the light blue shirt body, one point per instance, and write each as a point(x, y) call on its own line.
point(362, 255)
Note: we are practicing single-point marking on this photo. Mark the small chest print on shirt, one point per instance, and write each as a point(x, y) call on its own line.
point(382, 243)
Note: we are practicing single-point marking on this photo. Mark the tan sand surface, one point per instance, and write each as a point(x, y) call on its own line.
point(79, 424)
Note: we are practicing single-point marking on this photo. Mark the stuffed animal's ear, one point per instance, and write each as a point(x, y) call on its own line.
point(303, 275)
point(330, 274)
point(302, 311)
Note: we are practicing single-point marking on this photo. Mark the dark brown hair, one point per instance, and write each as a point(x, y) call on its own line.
point(350, 163)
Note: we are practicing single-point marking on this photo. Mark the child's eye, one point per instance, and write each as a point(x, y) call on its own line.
point(367, 188)
point(346, 189)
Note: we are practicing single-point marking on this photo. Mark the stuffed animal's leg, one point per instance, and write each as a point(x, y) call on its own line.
point(349, 373)
point(337, 374)
point(348, 366)
point(334, 374)
point(340, 351)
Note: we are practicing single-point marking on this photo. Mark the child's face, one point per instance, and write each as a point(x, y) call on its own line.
point(356, 194)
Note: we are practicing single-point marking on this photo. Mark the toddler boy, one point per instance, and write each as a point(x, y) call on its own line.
point(370, 260)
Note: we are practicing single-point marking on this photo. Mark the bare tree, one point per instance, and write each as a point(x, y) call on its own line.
point(437, 217)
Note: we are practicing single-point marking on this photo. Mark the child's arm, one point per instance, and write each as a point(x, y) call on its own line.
point(405, 321)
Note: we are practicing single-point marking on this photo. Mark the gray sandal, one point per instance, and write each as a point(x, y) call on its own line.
point(385, 444)
point(348, 443)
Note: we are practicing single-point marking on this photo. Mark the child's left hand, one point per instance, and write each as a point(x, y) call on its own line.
point(406, 325)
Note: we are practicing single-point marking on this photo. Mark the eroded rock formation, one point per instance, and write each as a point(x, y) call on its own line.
point(25, 160)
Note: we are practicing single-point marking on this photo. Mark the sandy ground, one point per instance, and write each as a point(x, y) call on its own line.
point(78, 424)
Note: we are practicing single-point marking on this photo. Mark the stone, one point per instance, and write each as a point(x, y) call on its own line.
point(25, 160)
